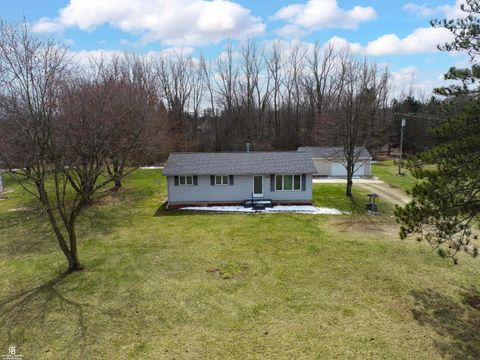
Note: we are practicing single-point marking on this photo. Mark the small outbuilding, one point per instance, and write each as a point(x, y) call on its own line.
point(233, 178)
point(330, 161)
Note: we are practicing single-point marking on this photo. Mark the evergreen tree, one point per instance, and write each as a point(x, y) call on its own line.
point(447, 201)
point(445, 210)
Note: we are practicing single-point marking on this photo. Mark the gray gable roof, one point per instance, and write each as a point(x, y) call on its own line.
point(335, 152)
point(239, 163)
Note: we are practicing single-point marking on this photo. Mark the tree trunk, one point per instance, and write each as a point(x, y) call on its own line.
point(349, 180)
point(117, 180)
point(116, 173)
point(74, 263)
point(349, 187)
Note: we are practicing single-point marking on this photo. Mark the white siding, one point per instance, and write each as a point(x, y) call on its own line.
point(331, 168)
point(338, 169)
point(240, 191)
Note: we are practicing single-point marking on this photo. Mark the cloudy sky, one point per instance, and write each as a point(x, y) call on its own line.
point(394, 32)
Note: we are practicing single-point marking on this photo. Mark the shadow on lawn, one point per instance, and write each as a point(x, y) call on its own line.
point(28, 310)
point(28, 218)
point(458, 325)
point(357, 206)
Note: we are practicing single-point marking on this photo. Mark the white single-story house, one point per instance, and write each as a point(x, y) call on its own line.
point(330, 161)
point(232, 178)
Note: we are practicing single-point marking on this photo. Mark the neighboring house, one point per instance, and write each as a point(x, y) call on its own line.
point(330, 161)
point(235, 177)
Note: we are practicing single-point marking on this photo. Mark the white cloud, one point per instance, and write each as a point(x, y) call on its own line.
point(321, 14)
point(290, 31)
point(173, 51)
point(340, 43)
point(85, 57)
point(422, 10)
point(125, 42)
point(405, 76)
point(421, 40)
point(172, 22)
point(413, 81)
point(69, 42)
point(449, 11)
point(286, 46)
point(46, 25)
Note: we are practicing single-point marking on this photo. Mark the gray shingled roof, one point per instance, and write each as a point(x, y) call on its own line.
point(239, 163)
point(333, 152)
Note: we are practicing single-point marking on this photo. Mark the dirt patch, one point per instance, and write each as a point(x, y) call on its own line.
point(369, 224)
point(473, 301)
point(112, 196)
point(229, 270)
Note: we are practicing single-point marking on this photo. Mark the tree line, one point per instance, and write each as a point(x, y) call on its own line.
point(274, 96)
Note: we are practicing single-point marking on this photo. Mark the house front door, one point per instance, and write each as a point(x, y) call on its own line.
point(257, 186)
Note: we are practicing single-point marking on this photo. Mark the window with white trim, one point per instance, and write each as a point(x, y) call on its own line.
point(222, 180)
point(288, 182)
point(185, 180)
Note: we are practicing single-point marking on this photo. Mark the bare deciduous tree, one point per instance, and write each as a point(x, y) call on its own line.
point(55, 143)
point(130, 108)
point(32, 74)
point(360, 98)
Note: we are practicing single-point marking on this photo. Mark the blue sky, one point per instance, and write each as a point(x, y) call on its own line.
point(393, 32)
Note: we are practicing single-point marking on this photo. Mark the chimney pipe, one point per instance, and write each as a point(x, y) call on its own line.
point(248, 147)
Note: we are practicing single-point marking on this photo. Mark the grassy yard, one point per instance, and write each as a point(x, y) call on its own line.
point(387, 171)
point(174, 285)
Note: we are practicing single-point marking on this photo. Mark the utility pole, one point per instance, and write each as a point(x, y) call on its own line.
point(402, 128)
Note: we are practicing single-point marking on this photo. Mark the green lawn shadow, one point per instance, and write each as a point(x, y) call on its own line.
point(457, 324)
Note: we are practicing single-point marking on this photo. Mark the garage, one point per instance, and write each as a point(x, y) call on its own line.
point(329, 161)
point(339, 170)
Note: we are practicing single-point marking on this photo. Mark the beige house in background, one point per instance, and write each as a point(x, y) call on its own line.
point(330, 161)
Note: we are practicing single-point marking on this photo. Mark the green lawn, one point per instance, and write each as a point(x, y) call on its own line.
point(175, 285)
point(387, 171)
point(333, 195)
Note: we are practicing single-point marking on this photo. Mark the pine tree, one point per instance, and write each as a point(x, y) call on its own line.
point(445, 210)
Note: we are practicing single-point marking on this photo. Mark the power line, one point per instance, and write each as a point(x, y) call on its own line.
point(426, 116)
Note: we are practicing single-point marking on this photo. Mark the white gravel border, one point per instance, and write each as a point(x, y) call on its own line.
point(327, 180)
point(151, 167)
point(302, 209)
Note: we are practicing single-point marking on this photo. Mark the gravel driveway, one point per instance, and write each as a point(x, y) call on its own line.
point(373, 185)
point(385, 191)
